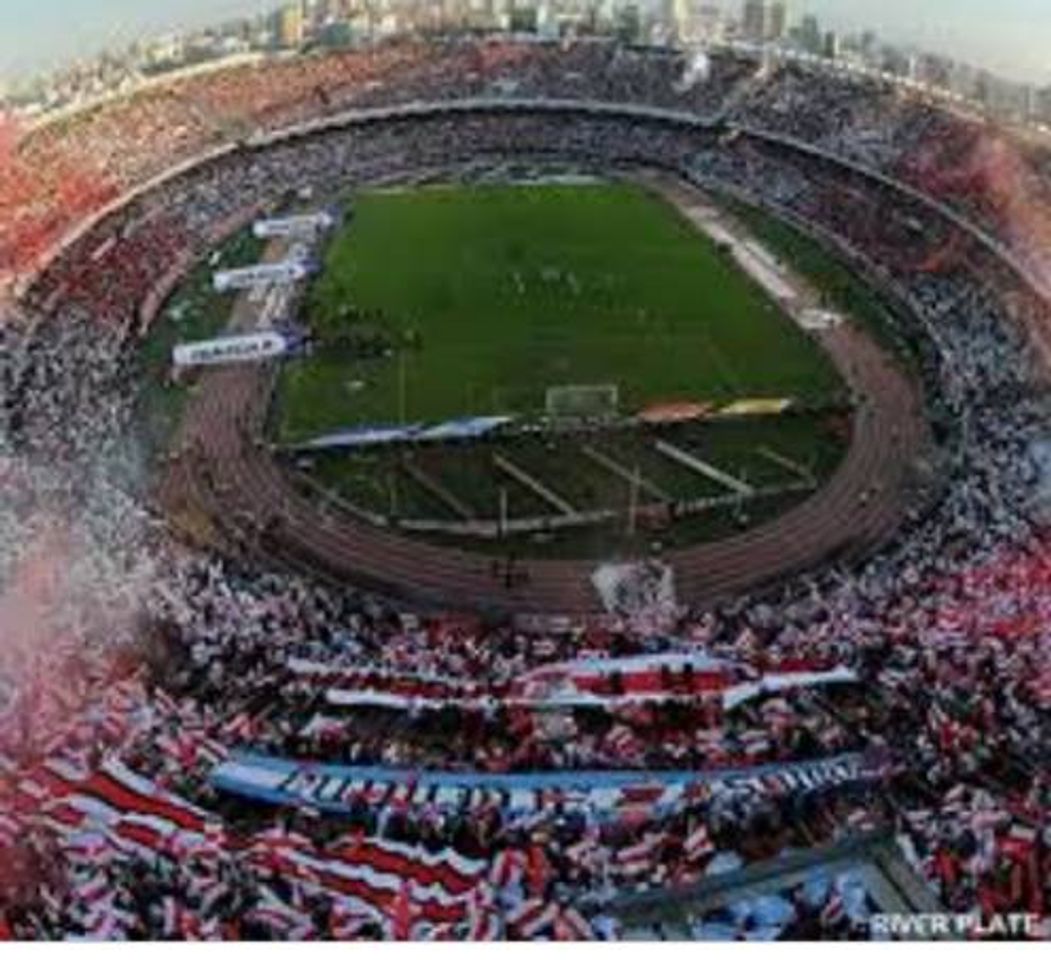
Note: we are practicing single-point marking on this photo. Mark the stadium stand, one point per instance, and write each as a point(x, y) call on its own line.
point(147, 688)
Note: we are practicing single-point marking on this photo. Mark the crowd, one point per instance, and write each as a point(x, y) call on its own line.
point(111, 819)
point(112, 854)
point(60, 171)
point(994, 180)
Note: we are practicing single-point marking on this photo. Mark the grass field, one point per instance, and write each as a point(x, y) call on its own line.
point(501, 292)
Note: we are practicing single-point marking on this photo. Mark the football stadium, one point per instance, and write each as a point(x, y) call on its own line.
point(469, 485)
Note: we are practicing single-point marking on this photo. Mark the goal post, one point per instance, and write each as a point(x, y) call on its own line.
point(582, 401)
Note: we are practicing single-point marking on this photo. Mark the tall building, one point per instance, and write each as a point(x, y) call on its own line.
point(777, 20)
point(699, 21)
point(290, 26)
point(1042, 105)
point(810, 34)
point(629, 23)
point(546, 23)
point(667, 25)
point(753, 20)
point(522, 16)
point(934, 70)
point(868, 44)
point(682, 20)
point(710, 22)
point(830, 45)
point(165, 50)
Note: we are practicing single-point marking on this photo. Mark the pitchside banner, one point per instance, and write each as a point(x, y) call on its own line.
point(303, 225)
point(246, 349)
point(600, 793)
point(262, 274)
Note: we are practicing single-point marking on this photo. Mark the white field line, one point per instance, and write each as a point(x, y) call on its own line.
point(705, 469)
point(781, 283)
point(530, 482)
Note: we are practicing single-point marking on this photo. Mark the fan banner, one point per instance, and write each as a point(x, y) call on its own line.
point(601, 794)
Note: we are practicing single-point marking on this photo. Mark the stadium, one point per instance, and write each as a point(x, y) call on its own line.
point(470, 487)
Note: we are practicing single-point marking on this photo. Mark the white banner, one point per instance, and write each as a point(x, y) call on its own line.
point(776, 683)
point(204, 353)
point(303, 225)
point(262, 274)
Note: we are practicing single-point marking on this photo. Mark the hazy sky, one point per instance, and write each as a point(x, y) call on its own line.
point(1012, 37)
point(36, 34)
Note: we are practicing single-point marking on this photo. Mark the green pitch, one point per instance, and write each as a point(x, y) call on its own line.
point(482, 298)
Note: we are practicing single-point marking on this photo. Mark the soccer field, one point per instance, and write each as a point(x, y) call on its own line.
point(483, 297)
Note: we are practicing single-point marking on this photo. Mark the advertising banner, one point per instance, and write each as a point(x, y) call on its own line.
point(246, 349)
point(301, 225)
point(262, 274)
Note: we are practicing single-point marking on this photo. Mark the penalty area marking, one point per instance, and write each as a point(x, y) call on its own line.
point(705, 469)
point(530, 482)
point(782, 461)
point(437, 489)
point(623, 472)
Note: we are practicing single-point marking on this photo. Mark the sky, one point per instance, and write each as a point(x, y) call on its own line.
point(1010, 37)
point(40, 34)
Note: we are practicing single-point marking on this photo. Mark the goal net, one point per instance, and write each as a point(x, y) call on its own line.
point(586, 401)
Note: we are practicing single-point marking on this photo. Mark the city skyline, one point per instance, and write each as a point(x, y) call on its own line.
point(1010, 40)
point(51, 33)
